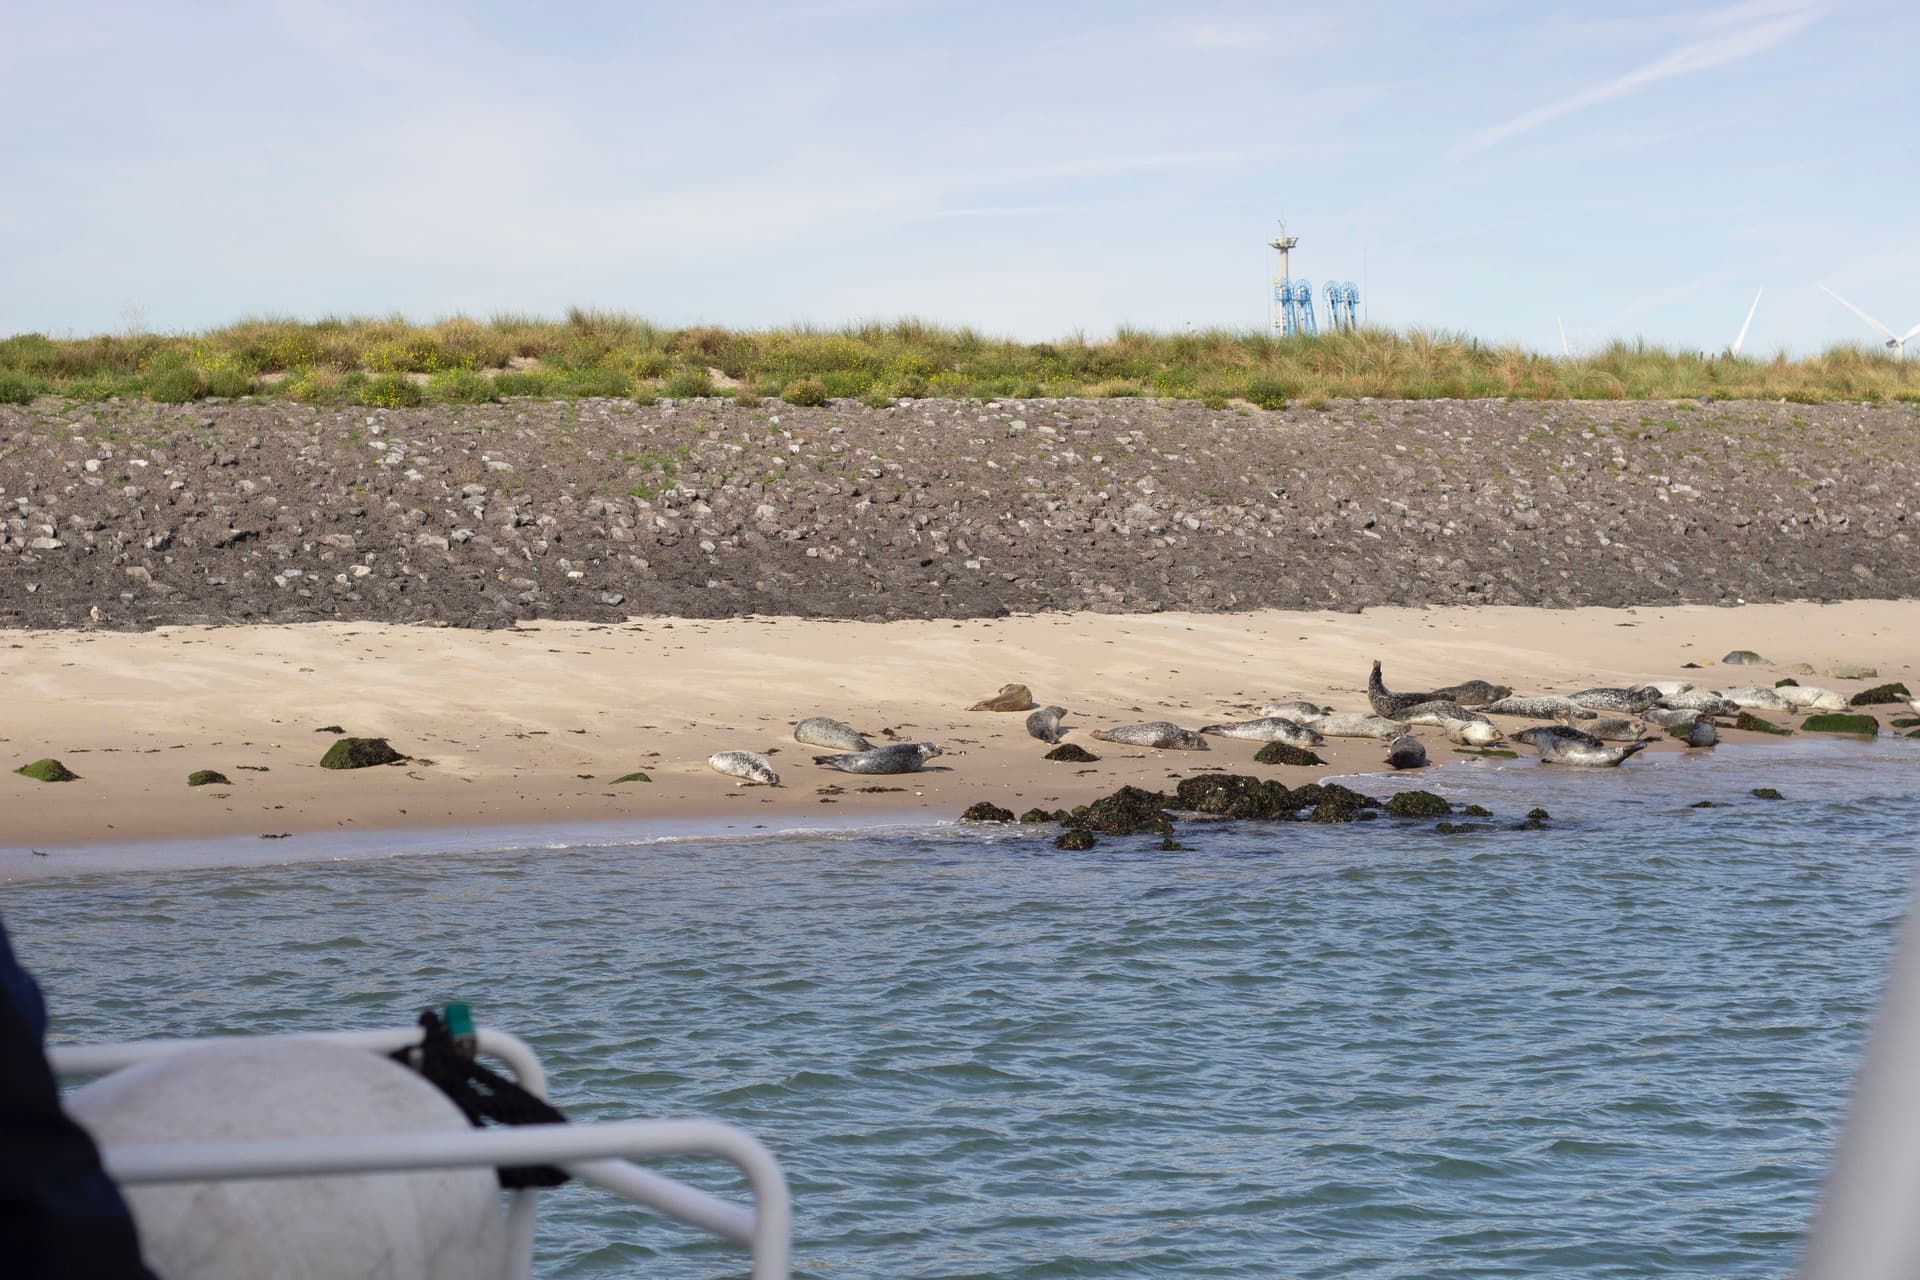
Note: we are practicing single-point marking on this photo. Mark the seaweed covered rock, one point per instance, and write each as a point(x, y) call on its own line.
point(1130, 811)
point(47, 770)
point(1418, 804)
point(1786, 682)
point(1078, 839)
point(1743, 658)
point(1458, 828)
point(986, 811)
point(208, 778)
point(1284, 753)
point(1335, 803)
point(1034, 816)
point(1859, 726)
point(1853, 671)
point(359, 753)
point(1759, 724)
point(1538, 815)
point(1170, 845)
point(1072, 753)
point(1880, 695)
point(631, 777)
point(1235, 795)
point(1767, 793)
point(1477, 811)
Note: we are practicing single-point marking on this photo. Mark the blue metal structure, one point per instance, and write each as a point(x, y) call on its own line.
point(1342, 301)
point(1293, 299)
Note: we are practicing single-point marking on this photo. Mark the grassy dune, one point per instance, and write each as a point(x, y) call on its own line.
point(395, 363)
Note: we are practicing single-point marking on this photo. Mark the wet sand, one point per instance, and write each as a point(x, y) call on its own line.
point(526, 729)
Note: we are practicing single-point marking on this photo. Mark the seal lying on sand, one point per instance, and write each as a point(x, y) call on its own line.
point(1700, 700)
point(1807, 697)
point(1701, 733)
point(1268, 729)
point(1472, 733)
point(1632, 701)
point(748, 766)
point(1012, 697)
point(1756, 697)
point(1155, 733)
point(1351, 724)
point(1296, 711)
point(1557, 744)
point(1668, 688)
point(1666, 718)
point(1544, 708)
point(1438, 711)
point(1405, 752)
point(1044, 724)
point(1385, 701)
point(819, 731)
point(1613, 729)
point(1472, 693)
point(895, 757)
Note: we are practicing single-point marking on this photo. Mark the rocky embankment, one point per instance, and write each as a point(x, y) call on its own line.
point(137, 514)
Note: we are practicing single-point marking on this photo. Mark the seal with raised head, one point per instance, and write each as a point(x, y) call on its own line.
point(1438, 712)
point(1385, 701)
point(1548, 707)
point(1810, 697)
point(1558, 744)
point(1012, 697)
point(1632, 701)
point(1297, 711)
point(895, 757)
point(1472, 733)
point(1406, 752)
point(1352, 724)
point(749, 766)
point(1155, 733)
point(819, 731)
point(1472, 693)
point(1044, 724)
point(1267, 729)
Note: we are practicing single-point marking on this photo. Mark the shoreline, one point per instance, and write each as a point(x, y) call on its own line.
point(525, 727)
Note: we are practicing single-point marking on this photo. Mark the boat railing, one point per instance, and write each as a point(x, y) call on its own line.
point(599, 1153)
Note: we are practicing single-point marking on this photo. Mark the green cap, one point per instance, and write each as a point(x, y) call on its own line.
point(459, 1018)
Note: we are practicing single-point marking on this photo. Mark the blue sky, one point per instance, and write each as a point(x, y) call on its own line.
point(1031, 169)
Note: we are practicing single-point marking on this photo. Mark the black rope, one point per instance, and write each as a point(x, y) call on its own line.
point(483, 1095)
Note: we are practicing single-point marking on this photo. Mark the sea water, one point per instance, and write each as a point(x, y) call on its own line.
point(1618, 1047)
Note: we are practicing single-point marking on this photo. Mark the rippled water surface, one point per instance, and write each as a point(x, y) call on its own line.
point(1617, 1048)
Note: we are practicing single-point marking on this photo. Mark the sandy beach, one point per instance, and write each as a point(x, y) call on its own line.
point(529, 727)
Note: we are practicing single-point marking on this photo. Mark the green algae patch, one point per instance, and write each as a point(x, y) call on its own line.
point(47, 770)
point(1858, 726)
point(632, 777)
point(1758, 724)
point(1418, 804)
point(1282, 753)
point(1907, 722)
point(208, 778)
point(1880, 695)
point(359, 753)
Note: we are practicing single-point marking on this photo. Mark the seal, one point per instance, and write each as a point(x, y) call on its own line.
point(1481, 732)
point(1044, 724)
point(1666, 718)
point(1613, 729)
point(1438, 712)
point(1668, 688)
point(1267, 729)
point(1632, 701)
point(1558, 744)
point(749, 766)
point(818, 731)
point(1296, 711)
point(1755, 698)
point(895, 757)
point(1012, 697)
point(1405, 752)
point(1385, 701)
point(1700, 700)
point(1351, 724)
point(1701, 733)
point(1472, 693)
point(1808, 697)
point(1549, 707)
point(1155, 733)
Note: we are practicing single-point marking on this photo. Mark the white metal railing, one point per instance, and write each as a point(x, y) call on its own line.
point(590, 1152)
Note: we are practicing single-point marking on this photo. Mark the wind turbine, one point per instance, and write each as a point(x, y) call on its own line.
point(1897, 343)
point(1734, 350)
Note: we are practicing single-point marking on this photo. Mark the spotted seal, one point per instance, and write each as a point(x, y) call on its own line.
point(1406, 752)
point(1472, 733)
point(1613, 729)
point(1668, 717)
point(1012, 697)
point(749, 766)
point(1472, 693)
point(1808, 697)
point(1155, 733)
point(1701, 733)
point(1701, 700)
point(1267, 729)
point(819, 731)
point(1351, 724)
point(895, 757)
point(1438, 712)
point(1558, 744)
point(1668, 688)
point(1632, 701)
point(1044, 724)
point(1550, 707)
point(1297, 711)
point(1755, 697)
point(1385, 701)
